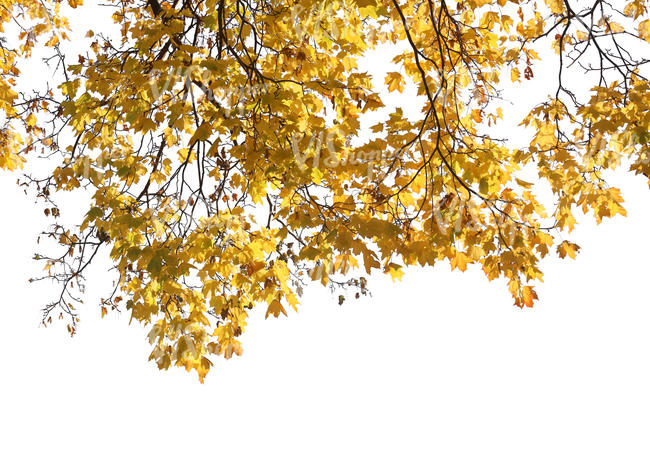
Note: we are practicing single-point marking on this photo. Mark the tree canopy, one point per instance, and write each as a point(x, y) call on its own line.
point(228, 152)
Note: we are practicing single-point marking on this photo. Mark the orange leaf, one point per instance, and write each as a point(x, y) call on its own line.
point(528, 295)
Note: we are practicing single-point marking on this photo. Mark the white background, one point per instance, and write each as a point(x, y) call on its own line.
point(438, 374)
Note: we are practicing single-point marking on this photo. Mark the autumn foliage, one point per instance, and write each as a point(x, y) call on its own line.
point(229, 152)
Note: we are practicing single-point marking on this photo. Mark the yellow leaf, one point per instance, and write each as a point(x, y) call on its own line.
point(395, 82)
point(644, 30)
point(545, 137)
point(460, 261)
point(514, 75)
point(522, 183)
point(556, 6)
point(395, 271)
point(566, 248)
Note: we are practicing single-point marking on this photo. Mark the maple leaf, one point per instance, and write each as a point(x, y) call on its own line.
point(528, 295)
point(566, 248)
point(395, 82)
point(275, 308)
point(460, 261)
point(644, 30)
point(514, 75)
point(395, 271)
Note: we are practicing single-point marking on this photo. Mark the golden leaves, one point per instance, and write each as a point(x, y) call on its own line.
point(275, 308)
point(395, 271)
point(556, 6)
point(545, 138)
point(514, 75)
point(460, 261)
point(644, 30)
point(224, 183)
point(524, 295)
point(566, 248)
point(9, 143)
point(395, 82)
point(528, 295)
point(31, 120)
